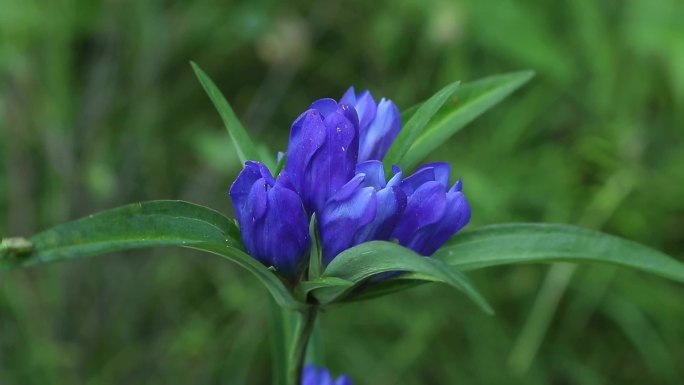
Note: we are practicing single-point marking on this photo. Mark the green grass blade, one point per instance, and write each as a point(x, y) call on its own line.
point(368, 259)
point(469, 101)
point(148, 224)
point(243, 144)
point(533, 243)
point(414, 127)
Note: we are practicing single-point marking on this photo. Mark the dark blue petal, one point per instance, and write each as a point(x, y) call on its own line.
point(333, 164)
point(417, 179)
point(343, 380)
point(324, 377)
point(285, 181)
point(353, 207)
point(374, 171)
point(325, 106)
point(251, 219)
point(458, 186)
point(322, 152)
point(349, 97)
point(364, 104)
point(273, 223)
point(243, 183)
point(377, 138)
point(350, 113)
point(307, 136)
point(455, 218)
point(366, 108)
point(285, 231)
point(310, 375)
point(363, 210)
point(442, 172)
point(433, 214)
point(315, 376)
point(436, 171)
point(425, 206)
point(396, 179)
point(391, 203)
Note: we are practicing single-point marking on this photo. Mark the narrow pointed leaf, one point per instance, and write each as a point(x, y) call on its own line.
point(468, 102)
point(525, 243)
point(148, 224)
point(316, 253)
point(368, 259)
point(306, 287)
point(244, 146)
point(533, 243)
point(414, 127)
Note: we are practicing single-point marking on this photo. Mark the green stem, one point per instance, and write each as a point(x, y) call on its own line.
point(305, 327)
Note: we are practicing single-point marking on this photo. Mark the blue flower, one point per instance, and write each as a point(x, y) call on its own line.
point(366, 208)
point(321, 376)
point(273, 224)
point(322, 151)
point(379, 123)
point(434, 212)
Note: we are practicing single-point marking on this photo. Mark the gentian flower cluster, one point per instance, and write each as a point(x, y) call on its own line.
point(333, 168)
point(321, 376)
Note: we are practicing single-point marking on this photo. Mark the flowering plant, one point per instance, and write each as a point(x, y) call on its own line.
point(342, 215)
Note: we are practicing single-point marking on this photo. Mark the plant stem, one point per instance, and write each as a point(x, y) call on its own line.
point(305, 327)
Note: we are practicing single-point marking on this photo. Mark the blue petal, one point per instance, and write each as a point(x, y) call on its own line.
point(333, 164)
point(325, 106)
point(344, 214)
point(243, 183)
point(323, 149)
point(257, 200)
point(251, 220)
point(414, 181)
point(324, 377)
point(425, 206)
point(310, 375)
point(273, 223)
point(307, 136)
point(286, 231)
point(455, 218)
point(364, 104)
point(349, 97)
point(343, 380)
point(442, 172)
point(321, 376)
point(366, 108)
point(350, 113)
point(381, 132)
point(391, 203)
point(436, 171)
point(458, 186)
point(284, 180)
point(374, 171)
point(396, 179)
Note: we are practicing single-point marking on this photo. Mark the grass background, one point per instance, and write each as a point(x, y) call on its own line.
point(99, 107)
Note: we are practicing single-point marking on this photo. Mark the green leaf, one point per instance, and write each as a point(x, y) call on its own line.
point(414, 127)
point(497, 245)
point(307, 287)
point(279, 165)
point(316, 254)
point(468, 102)
point(243, 144)
point(368, 259)
point(149, 224)
point(532, 243)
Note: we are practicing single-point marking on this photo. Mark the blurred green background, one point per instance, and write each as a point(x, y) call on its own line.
point(99, 107)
